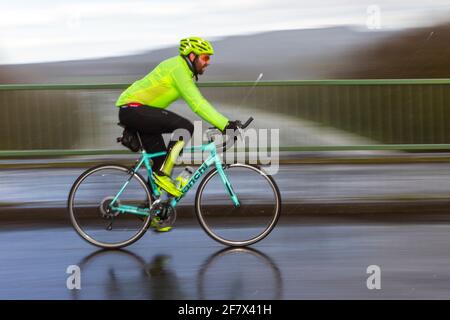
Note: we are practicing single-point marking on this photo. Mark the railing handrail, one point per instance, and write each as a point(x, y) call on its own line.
point(77, 86)
point(92, 152)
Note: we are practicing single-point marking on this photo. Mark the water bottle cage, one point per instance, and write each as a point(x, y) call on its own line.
point(184, 177)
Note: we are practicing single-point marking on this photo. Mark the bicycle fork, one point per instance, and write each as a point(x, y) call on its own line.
point(228, 186)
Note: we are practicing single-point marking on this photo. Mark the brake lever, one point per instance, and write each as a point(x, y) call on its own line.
point(245, 125)
point(239, 130)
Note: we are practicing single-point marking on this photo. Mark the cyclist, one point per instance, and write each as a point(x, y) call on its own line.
point(143, 106)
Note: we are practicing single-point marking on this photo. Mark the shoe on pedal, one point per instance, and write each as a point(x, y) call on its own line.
point(156, 225)
point(167, 184)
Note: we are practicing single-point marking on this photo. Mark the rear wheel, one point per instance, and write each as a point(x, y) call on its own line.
point(92, 215)
point(253, 220)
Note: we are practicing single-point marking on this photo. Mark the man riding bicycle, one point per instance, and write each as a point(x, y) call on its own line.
point(143, 106)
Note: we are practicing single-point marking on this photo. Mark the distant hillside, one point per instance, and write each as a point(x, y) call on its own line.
point(289, 54)
point(419, 53)
point(337, 52)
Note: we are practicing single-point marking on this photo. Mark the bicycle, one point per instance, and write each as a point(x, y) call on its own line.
point(235, 204)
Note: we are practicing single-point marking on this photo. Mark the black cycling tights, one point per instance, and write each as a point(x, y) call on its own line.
point(152, 123)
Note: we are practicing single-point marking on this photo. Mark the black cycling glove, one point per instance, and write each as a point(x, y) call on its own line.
point(232, 125)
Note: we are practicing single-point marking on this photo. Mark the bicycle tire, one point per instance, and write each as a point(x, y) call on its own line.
point(77, 227)
point(229, 242)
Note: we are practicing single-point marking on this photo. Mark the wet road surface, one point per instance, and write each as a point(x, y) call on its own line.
point(301, 259)
point(327, 183)
point(307, 256)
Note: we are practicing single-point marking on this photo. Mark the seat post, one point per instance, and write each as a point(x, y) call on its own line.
point(140, 141)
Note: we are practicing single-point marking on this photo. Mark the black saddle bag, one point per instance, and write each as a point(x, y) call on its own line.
point(130, 140)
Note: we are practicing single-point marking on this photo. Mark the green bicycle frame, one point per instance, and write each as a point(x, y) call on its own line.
point(213, 159)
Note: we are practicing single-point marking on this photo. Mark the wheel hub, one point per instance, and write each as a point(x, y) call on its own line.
point(106, 210)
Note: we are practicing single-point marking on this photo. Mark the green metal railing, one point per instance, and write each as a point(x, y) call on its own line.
point(222, 84)
point(409, 114)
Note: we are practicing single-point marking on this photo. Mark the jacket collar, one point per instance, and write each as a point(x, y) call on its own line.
point(191, 67)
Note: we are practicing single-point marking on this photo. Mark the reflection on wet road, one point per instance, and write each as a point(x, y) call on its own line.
point(124, 271)
point(299, 260)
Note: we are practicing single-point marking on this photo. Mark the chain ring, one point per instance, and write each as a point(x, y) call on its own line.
point(167, 214)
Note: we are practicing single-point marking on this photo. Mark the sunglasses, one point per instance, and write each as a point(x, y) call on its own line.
point(204, 57)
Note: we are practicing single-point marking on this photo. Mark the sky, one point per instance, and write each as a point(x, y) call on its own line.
point(58, 30)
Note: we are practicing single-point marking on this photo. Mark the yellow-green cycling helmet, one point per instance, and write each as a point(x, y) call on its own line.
point(196, 45)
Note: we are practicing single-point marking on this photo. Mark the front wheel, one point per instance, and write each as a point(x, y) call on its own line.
point(255, 217)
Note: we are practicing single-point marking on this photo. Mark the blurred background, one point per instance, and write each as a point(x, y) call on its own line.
point(336, 78)
point(112, 42)
point(359, 91)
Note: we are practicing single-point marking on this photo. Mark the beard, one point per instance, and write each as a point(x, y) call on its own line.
point(198, 68)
